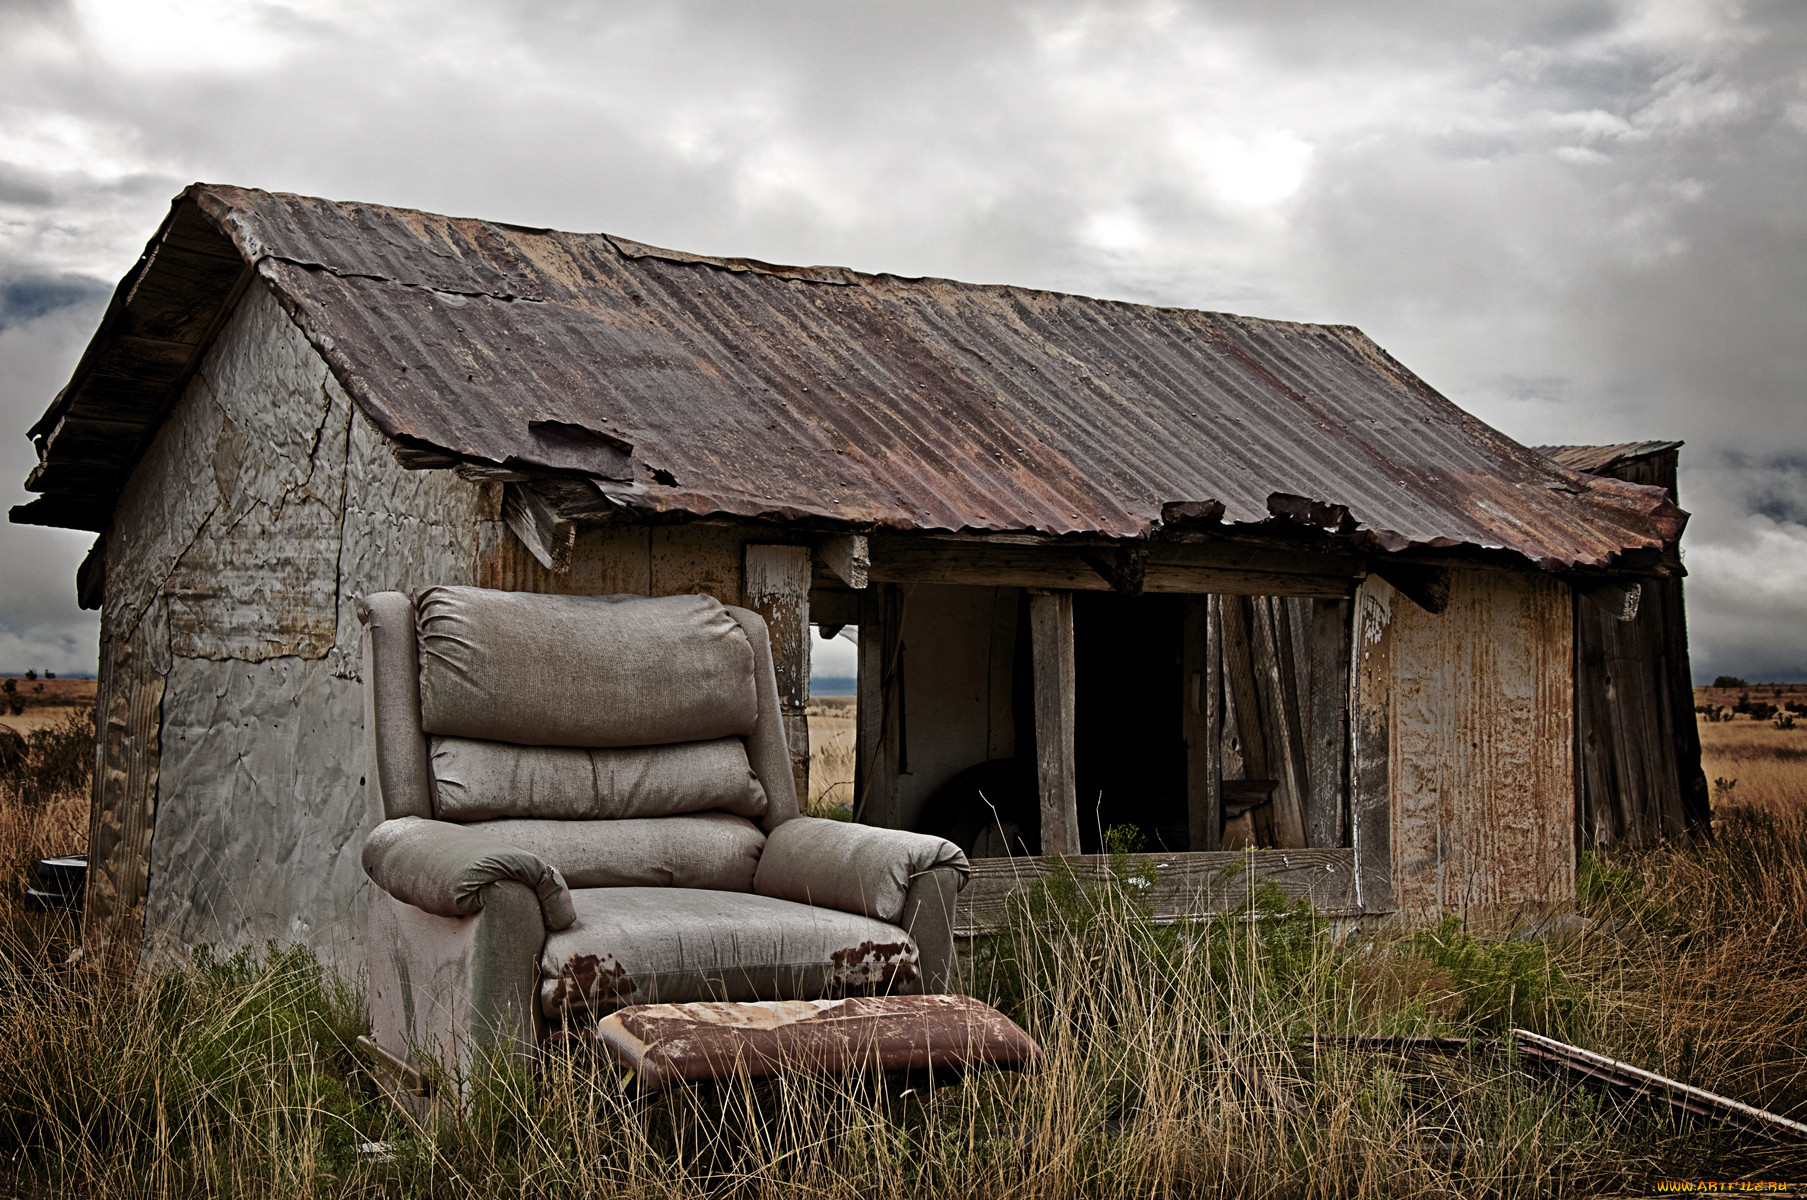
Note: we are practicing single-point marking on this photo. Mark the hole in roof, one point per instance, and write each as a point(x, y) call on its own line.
point(661, 475)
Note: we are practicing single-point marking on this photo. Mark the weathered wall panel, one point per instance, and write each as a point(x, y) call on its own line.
point(1481, 758)
point(129, 706)
point(264, 508)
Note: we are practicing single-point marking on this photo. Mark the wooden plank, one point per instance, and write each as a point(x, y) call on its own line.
point(1370, 810)
point(1051, 642)
point(1186, 885)
point(876, 747)
point(1200, 717)
point(1481, 766)
point(128, 756)
point(775, 584)
point(848, 556)
point(1276, 680)
point(903, 559)
point(1239, 682)
point(1327, 741)
point(546, 535)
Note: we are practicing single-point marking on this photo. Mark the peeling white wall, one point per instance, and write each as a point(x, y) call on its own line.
point(263, 508)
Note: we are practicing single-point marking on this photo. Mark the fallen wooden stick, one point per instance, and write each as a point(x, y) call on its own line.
point(1623, 1077)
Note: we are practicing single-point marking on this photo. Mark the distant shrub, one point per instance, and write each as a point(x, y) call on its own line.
point(57, 759)
point(1729, 681)
point(1784, 720)
point(1761, 710)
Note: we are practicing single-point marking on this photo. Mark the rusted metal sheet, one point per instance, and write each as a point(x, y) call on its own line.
point(1481, 765)
point(664, 1044)
point(871, 401)
point(1185, 884)
point(1612, 459)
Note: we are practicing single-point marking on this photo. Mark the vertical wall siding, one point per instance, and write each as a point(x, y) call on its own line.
point(1481, 755)
point(130, 706)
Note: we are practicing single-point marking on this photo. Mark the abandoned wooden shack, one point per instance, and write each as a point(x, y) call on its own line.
point(1237, 590)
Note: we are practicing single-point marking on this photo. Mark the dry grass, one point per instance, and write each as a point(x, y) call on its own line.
point(832, 734)
point(236, 1079)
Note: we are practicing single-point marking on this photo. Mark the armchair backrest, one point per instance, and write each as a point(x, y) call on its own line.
point(487, 704)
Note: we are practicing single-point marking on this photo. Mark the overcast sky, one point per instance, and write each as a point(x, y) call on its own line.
point(1584, 222)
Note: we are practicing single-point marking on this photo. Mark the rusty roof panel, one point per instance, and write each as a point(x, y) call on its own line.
point(843, 399)
point(1596, 459)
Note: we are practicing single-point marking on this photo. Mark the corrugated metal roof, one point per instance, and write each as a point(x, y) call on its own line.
point(1594, 459)
point(872, 401)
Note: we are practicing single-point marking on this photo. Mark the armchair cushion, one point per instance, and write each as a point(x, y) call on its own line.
point(481, 781)
point(444, 869)
point(854, 868)
point(582, 670)
point(699, 850)
point(671, 945)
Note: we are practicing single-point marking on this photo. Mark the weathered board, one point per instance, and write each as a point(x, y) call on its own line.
point(1481, 759)
point(776, 586)
point(1189, 884)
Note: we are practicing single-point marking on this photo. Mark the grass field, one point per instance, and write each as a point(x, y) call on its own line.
point(1168, 1049)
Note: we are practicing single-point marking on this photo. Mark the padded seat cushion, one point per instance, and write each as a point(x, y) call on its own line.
point(481, 781)
point(700, 850)
point(582, 670)
point(637, 945)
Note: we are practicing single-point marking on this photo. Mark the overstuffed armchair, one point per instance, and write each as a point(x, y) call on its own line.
point(586, 803)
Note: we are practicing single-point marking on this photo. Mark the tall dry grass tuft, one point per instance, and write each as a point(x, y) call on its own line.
point(1180, 1059)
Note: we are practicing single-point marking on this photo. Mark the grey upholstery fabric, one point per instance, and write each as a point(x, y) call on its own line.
point(660, 945)
point(481, 781)
point(855, 868)
point(928, 917)
point(442, 988)
point(766, 747)
point(445, 869)
point(401, 769)
point(582, 670)
point(700, 850)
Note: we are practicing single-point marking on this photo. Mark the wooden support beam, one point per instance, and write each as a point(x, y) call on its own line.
point(1425, 586)
point(1167, 569)
point(1202, 724)
point(849, 556)
point(876, 754)
point(775, 584)
point(1618, 599)
point(1277, 684)
point(1051, 647)
point(547, 535)
point(1327, 743)
point(1370, 718)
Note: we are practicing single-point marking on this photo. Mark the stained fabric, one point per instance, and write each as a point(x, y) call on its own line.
point(672, 945)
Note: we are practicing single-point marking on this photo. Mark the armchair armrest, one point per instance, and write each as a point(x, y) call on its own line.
point(855, 868)
point(445, 869)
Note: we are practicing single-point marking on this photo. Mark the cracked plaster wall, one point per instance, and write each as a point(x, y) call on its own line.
point(265, 505)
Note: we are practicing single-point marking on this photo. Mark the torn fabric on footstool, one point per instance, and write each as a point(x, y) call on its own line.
point(665, 1044)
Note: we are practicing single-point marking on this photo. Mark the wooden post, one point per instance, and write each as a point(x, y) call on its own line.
point(1277, 676)
point(1051, 643)
point(775, 583)
point(1327, 742)
point(1371, 742)
point(1202, 721)
point(876, 753)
